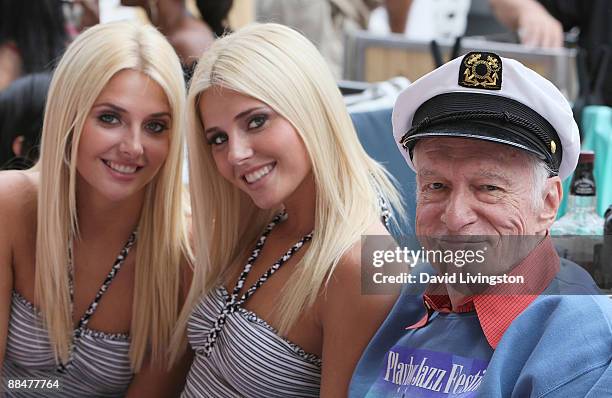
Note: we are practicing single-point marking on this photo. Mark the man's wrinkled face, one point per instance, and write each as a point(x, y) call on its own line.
point(474, 187)
point(473, 192)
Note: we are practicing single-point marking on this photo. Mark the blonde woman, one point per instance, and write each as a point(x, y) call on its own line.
point(281, 193)
point(92, 241)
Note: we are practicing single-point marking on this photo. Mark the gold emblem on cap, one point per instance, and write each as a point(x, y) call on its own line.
point(481, 70)
point(553, 147)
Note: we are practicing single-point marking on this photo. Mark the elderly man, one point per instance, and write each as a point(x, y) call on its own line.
point(490, 141)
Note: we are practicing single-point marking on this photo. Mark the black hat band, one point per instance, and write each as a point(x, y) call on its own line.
point(490, 117)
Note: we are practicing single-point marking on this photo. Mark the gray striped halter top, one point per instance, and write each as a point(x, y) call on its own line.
point(99, 363)
point(238, 354)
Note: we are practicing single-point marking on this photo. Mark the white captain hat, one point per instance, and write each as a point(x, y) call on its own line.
point(483, 96)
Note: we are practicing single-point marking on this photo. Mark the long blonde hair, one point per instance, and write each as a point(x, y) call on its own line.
point(278, 66)
point(86, 67)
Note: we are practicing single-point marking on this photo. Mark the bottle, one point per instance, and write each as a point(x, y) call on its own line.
point(581, 227)
point(608, 221)
point(605, 253)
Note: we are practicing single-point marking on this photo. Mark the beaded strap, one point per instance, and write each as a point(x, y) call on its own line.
point(385, 213)
point(84, 320)
point(232, 302)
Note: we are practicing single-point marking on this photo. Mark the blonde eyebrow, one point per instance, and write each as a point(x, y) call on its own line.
point(119, 109)
point(238, 116)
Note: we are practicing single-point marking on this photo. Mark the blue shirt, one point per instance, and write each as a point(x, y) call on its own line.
point(560, 346)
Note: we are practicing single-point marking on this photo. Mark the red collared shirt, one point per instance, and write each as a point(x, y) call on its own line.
point(496, 312)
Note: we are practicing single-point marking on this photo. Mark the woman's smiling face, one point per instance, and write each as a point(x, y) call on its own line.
point(253, 147)
point(125, 138)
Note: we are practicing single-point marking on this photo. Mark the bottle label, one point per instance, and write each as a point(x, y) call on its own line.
point(583, 187)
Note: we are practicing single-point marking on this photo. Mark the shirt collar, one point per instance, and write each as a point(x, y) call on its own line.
point(496, 312)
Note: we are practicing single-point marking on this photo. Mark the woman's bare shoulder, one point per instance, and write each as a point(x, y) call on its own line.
point(350, 263)
point(377, 228)
point(18, 193)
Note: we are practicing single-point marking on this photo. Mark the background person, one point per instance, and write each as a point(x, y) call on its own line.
point(281, 193)
point(189, 35)
point(92, 243)
point(543, 22)
point(32, 37)
point(22, 107)
point(531, 20)
point(324, 22)
point(215, 14)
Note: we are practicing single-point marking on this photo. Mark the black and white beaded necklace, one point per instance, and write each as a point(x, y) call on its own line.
point(84, 320)
point(233, 301)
